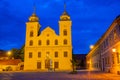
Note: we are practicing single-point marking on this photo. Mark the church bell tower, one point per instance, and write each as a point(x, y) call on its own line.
point(65, 24)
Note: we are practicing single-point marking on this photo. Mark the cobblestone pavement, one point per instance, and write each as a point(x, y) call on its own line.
point(82, 75)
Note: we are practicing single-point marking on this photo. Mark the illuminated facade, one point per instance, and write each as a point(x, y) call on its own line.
point(45, 49)
point(105, 55)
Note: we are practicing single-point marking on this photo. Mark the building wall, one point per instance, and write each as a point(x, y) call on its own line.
point(102, 52)
point(45, 44)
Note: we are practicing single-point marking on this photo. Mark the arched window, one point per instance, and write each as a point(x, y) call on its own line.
point(30, 54)
point(65, 32)
point(48, 42)
point(56, 54)
point(65, 53)
point(31, 33)
point(39, 42)
point(39, 54)
point(65, 41)
point(31, 42)
point(56, 42)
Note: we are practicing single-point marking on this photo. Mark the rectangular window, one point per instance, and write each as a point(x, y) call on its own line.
point(56, 54)
point(113, 58)
point(39, 54)
point(118, 57)
point(56, 65)
point(38, 65)
point(30, 54)
point(105, 60)
point(39, 42)
point(108, 60)
point(115, 34)
point(65, 54)
point(47, 63)
point(65, 32)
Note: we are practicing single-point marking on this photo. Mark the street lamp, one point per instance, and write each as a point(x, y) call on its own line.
point(9, 53)
point(91, 46)
point(113, 50)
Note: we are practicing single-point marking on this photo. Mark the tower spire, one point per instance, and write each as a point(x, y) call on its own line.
point(64, 6)
point(34, 17)
point(34, 8)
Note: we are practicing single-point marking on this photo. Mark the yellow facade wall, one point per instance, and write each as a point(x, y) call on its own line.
point(48, 51)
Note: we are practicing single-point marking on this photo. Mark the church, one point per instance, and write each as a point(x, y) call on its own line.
point(45, 50)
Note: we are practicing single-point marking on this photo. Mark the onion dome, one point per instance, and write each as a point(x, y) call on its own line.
point(65, 16)
point(33, 18)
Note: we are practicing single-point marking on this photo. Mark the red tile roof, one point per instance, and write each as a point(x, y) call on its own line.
point(10, 62)
point(3, 54)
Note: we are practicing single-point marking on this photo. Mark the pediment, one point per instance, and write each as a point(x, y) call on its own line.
point(48, 31)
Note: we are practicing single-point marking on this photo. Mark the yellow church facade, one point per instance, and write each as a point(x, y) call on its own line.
point(46, 50)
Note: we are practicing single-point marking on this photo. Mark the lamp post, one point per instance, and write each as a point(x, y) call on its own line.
point(9, 54)
point(113, 50)
point(91, 46)
point(117, 54)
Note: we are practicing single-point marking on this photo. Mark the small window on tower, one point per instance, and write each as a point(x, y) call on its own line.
point(65, 41)
point(65, 32)
point(31, 43)
point(31, 34)
point(30, 54)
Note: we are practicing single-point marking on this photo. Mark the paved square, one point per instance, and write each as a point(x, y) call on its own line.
point(82, 75)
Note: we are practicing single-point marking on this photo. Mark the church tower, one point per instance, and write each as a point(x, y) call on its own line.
point(65, 27)
point(47, 50)
point(32, 32)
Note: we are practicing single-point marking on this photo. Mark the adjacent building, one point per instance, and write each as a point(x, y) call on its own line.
point(8, 63)
point(46, 50)
point(105, 55)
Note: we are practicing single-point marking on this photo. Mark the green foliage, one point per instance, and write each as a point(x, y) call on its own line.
point(18, 53)
point(73, 64)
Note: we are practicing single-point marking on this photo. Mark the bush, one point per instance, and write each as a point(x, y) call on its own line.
point(8, 68)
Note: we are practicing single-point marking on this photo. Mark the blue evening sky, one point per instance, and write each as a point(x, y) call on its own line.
point(90, 19)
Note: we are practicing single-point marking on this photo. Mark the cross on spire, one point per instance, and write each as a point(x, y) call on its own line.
point(64, 6)
point(34, 8)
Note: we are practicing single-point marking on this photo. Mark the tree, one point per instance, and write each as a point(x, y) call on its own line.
point(73, 65)
point(18, 53)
